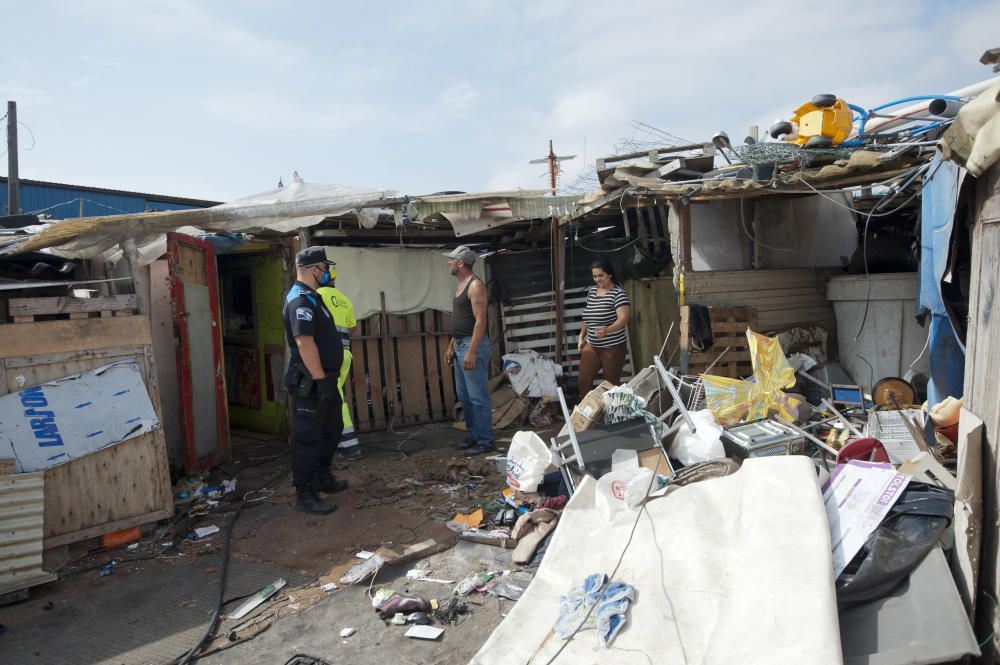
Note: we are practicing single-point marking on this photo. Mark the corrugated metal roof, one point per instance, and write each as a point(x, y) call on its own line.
point(22, 521)
point(67, 201)
point(162, 198)
point(524, 203)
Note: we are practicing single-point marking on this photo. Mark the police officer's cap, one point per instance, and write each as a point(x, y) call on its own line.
point(463, 253)
point(310, 256)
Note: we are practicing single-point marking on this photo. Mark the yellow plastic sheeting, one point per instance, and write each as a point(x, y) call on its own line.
point(733, 400)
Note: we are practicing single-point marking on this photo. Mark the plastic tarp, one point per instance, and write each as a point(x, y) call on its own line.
point(974, 139)
point(731, 400)
point(282, 210)
point(946, 354)
point(729, 570)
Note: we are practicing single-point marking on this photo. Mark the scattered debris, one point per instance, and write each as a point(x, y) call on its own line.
point(258, 598)
point(424, 632)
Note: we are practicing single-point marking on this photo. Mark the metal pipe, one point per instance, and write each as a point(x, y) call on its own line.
point(572, 433)
point(666, 376)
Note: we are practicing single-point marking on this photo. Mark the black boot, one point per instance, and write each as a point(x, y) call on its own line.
point(324, 482)
point(310, 502)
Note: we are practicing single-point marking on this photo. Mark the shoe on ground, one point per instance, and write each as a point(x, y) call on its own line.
point(352, 453)
point(479, 450)
point(465, 444)
point(310, 502)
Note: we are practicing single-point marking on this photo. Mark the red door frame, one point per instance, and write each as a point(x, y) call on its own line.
point(194, 463)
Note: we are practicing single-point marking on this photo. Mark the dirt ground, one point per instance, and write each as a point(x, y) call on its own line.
point(157, 599)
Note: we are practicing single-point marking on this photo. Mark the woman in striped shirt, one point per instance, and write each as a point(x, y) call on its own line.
point(605, 324)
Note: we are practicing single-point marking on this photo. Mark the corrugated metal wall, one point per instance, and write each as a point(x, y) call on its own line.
point(67, 202)
point(22, 510)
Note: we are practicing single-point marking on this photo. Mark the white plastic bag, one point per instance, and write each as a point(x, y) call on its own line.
point(703, 445)
point(623, 490)
point(527, 459)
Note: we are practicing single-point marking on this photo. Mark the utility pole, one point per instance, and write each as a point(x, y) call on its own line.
point(13, 186)
point(556, 240)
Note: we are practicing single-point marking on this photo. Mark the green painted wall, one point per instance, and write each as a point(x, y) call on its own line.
point(269, 293)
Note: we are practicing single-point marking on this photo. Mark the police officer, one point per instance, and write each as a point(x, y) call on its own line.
point(316, 356)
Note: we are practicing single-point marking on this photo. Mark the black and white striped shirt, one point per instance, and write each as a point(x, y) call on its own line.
point(601, 311)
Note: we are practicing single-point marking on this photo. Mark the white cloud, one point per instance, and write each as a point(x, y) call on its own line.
point(262, 111)
point(186, 21)
point(589, 110)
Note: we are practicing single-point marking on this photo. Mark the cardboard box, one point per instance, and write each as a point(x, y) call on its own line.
point(589, 410)
point(654, 459)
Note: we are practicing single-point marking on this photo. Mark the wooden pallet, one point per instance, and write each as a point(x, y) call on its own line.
point(529, 323)
point(729, 326)
point(30, 310)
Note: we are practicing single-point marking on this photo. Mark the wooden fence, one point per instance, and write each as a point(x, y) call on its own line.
point(398, 375)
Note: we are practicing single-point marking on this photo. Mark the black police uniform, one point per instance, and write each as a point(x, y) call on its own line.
point(317, 425)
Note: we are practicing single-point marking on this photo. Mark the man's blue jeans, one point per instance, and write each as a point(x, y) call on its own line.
point(471, 388)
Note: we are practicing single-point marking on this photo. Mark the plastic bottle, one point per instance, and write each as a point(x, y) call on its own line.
point(405, 603)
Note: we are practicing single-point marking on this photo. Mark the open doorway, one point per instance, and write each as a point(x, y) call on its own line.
point(253, 339)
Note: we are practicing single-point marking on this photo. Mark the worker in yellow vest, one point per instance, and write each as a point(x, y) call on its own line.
point(342, 310)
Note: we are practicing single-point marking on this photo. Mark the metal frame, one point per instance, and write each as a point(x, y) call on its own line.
point(194, 463)
point(559, 449)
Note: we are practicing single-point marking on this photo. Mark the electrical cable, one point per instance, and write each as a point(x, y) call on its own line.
point(32, 136)
point(743, 226)
point(889, 196)
point(190, 657)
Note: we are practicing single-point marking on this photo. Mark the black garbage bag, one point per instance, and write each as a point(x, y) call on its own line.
point(910, 530)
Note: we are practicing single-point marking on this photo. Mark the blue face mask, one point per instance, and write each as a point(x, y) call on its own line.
point(325, 278)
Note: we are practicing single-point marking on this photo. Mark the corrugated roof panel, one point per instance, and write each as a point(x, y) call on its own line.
point(65, 201)
point(22, 521)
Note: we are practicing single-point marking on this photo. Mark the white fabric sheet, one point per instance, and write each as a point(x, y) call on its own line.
point(731, 570)
point(412, 279)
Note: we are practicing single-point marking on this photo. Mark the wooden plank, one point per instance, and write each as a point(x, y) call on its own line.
point(761, 278)
point(67, 305)
point(109, 527)
point(108, 355)
point(7, 466)
point(191, 264)
point(433, 354)
point(683, 213)
point(708, 357)
point(550, 329)
point(77, 497)
point(412, 373)
point(27, 376)
point(447, 373)
point(376, 377)
point(72, 335)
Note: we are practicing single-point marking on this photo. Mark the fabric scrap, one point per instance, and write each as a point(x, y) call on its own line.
point(610, 608)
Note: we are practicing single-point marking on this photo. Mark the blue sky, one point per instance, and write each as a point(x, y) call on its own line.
point(219, 99)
